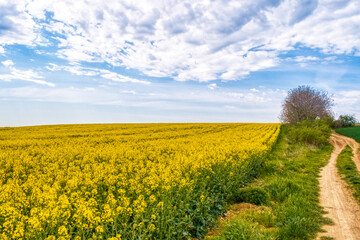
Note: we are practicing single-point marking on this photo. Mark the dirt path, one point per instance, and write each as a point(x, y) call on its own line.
point(336, 199)
point(353, 144)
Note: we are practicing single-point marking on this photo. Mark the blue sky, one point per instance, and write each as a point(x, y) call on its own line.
point(100, 61)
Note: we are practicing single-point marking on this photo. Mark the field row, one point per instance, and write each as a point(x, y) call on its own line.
point(127, 181)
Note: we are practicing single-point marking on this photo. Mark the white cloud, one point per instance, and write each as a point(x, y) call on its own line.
point(347, 102)
point(305, 60)
point(74, 69)
point(129, 92)
point(22, 75)
point(120, 78)
point(17, 25)
point(173, 98)
point(212, 86)
point(332, 59)
point(87, 71)
point(7, 63)
point(64, 95)
point(186, 40)
point(302, 59)
point(225, 105)
point(28, 76)
point(255, 96)
point(2, 50)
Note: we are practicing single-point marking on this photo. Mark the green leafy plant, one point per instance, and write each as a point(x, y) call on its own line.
point(311, 132)
point(243, 230)
point(252, 194)
point(345, 121)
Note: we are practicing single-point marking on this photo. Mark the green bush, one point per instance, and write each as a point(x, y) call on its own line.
point(346, 120)
point(311, 132)
point(253, 195)
point(330, 121)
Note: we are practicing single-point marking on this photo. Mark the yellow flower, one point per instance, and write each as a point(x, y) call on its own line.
point(152, 198)
point(62, 231)
point(84, 177)
point(160, 205)
point(151, 227)
point(99, 229)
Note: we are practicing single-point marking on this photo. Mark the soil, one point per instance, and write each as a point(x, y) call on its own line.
point(336, 197)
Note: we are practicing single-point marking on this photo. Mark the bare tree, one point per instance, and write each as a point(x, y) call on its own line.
point(305, 102)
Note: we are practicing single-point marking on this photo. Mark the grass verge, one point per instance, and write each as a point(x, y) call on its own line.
point(348, 171)
point(290, 182)
point(353, 132)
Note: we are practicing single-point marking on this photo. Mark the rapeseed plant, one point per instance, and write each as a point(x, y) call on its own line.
point(124, 181)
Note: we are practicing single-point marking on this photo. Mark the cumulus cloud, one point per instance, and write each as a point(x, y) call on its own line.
point(17, 26)
point(184, 40)
point(2, 50)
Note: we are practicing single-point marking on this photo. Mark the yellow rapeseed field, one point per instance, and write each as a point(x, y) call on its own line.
point(124, 181)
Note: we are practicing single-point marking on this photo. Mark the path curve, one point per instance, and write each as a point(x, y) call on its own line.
point(353, 144)
point(336, 198)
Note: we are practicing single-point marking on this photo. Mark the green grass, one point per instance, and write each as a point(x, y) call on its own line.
point(347, 169)
point(353, 132)
point(290, 179)
point(240, 229)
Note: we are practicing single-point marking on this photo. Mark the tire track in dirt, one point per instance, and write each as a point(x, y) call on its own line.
point(336, 198)
point(354, 145)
